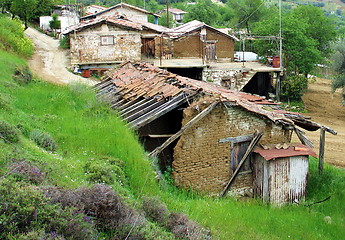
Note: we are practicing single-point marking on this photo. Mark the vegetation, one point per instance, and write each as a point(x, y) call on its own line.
point(12, 37)
point(338, 60)
point(99, 183)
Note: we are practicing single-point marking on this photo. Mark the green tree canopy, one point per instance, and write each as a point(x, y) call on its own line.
point(302, 47)
point(204, 11)
point(24, 9)
point(338, 63)
point(247, 12)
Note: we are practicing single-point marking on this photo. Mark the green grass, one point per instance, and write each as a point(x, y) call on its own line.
point(86, 129)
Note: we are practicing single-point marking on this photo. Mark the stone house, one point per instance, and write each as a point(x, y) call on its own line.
point(110, 40)
point(204, 132)
point(123, 9)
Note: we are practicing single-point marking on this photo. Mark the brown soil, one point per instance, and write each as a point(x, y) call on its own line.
point(50, 62)
point(326, 108)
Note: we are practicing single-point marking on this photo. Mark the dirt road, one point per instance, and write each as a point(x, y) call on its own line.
point(49, 61)
point(326, 108)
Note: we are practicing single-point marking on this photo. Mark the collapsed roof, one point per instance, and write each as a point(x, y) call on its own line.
point(143, 93)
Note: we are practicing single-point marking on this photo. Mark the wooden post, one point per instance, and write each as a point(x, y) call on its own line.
point(161, 51)
point(278, 83)
point(322, 149)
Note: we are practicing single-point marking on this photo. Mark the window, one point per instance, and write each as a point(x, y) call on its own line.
point(107, 40)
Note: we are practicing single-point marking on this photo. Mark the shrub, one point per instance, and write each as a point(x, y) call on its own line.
point(8, 132)
point(155, 210)
point(105, 170)
point(12, 37)
point(64, 42)
point(294, 87)
point(43, 140)
point(22, 75)
point(28, 171)
point(4, 103)
point(183, 228)
point(25, 211)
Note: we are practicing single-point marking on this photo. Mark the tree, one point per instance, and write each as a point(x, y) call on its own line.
point(163, 20)
point(5, 5)
point(319, 27)
point(55, 23)
point(204, 11)
point(247, 12)
point(299, 50)
point(338, 60)
point(24, 9)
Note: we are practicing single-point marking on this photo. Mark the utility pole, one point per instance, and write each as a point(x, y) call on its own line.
point(167, 3)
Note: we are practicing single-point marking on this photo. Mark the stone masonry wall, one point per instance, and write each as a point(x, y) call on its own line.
point(201, 162)
point(86, 46)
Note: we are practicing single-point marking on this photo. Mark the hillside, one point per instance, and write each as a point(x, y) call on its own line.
point(90, 178)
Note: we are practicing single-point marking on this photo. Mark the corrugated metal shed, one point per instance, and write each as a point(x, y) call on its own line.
point(280, 175)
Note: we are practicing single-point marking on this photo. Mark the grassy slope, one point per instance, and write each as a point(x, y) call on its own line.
point(68, 113)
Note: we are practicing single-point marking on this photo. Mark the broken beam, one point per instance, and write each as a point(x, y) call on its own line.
point(197, 118)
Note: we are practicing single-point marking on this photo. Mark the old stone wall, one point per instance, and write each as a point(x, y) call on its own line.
point(227, 78)
point(86, 47)
point(201, 162)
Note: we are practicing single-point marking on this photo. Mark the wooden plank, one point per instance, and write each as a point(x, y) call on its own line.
point(304, 140)
point(166, 107)
point(134, 107)
point(197, 118)
point(257, 137)
point(144, 111)
point(238, 139)
point(322, 149)
point(160, 135)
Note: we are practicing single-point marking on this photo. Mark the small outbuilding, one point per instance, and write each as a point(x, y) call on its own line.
point(280, 172)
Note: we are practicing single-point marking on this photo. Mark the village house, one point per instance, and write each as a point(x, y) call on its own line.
point(215, 140)
point(123, 9)
point(102, 42)
point(177, 14)
point(68, 15)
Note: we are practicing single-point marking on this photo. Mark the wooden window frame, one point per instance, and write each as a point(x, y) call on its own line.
point(107, 42)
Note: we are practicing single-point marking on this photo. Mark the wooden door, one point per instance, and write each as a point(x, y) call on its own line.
point(148, 47)
point(237, 153)
point(211, 51)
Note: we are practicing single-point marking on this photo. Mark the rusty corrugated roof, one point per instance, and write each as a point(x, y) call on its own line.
point(296, 149)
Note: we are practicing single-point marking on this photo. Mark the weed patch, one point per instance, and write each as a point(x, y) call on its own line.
point(8, 133)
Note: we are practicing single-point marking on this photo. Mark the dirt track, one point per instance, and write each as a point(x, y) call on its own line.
point(326, 108)
point(50, 62)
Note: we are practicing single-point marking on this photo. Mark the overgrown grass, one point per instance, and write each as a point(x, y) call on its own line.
point(12, 37)
point(86, 130)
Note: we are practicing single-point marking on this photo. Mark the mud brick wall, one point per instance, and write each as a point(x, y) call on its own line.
point(188, 47)
point(167, 48)
point(201, 162)
point(86, 45)
point(224, 45)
